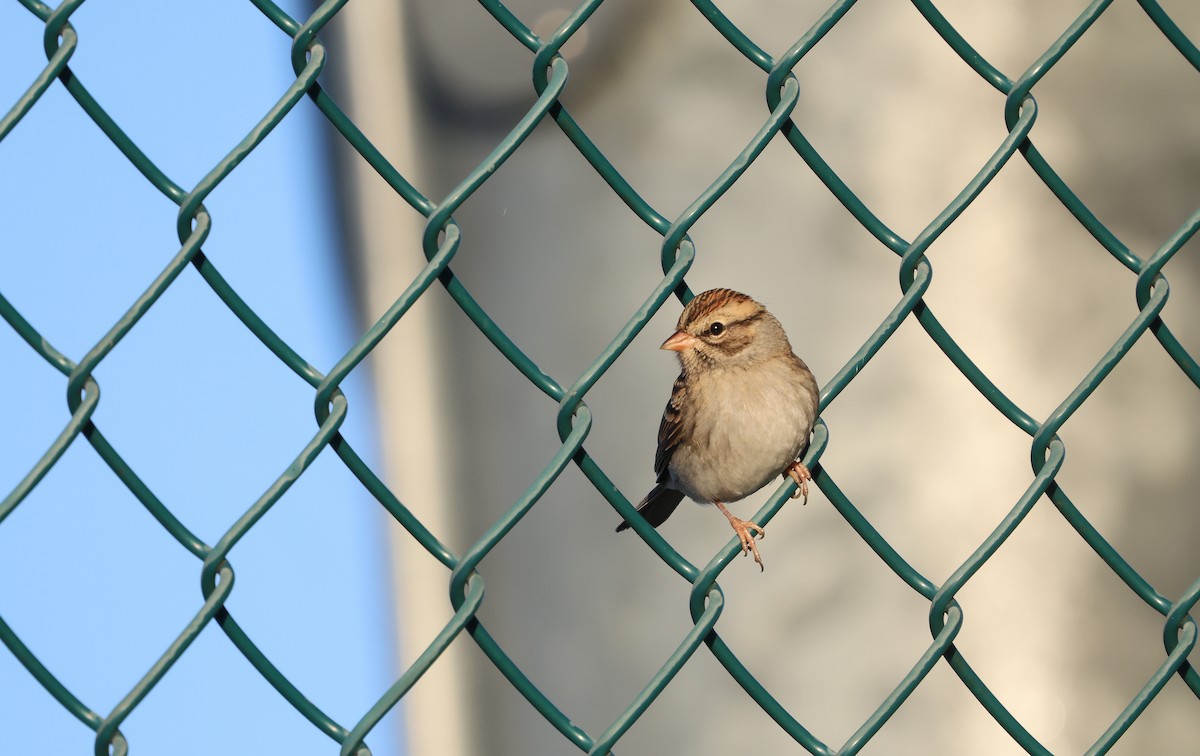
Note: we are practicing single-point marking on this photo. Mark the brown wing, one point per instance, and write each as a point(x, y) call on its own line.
point(670, 430)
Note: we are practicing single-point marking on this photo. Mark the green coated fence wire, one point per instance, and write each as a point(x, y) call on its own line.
point(440, 242)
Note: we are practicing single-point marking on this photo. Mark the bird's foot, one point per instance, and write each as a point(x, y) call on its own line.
point(799, 473)
point(745, 532)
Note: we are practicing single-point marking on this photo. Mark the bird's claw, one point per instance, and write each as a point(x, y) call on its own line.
point(746, 532)
point(799, 473)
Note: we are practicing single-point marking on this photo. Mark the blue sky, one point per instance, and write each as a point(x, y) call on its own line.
point(198, 408)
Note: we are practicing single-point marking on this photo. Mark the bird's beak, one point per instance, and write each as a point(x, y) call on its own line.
point(679, 341)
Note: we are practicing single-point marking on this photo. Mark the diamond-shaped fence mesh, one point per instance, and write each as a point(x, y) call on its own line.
point(465, 571)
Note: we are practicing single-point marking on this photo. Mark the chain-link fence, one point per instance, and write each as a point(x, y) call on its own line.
point(466, 569)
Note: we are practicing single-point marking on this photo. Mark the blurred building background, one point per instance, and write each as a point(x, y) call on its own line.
point(560, 263)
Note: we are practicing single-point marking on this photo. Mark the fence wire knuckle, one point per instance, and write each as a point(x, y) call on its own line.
point(440, 242)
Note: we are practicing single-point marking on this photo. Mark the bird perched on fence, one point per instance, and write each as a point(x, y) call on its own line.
point(740, 413)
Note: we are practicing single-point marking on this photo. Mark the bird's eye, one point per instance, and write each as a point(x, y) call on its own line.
point(716, 329)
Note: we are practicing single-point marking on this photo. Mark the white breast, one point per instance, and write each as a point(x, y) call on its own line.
point(750, 426)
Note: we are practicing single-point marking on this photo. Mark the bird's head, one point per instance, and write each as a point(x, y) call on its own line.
point(722, 328)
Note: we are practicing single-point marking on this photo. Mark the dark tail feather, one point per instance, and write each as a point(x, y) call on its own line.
point(657, 506)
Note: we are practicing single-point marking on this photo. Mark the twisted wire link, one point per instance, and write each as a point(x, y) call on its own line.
point(440, 242)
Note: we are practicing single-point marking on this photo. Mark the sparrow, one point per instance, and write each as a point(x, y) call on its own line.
point(741, 412)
